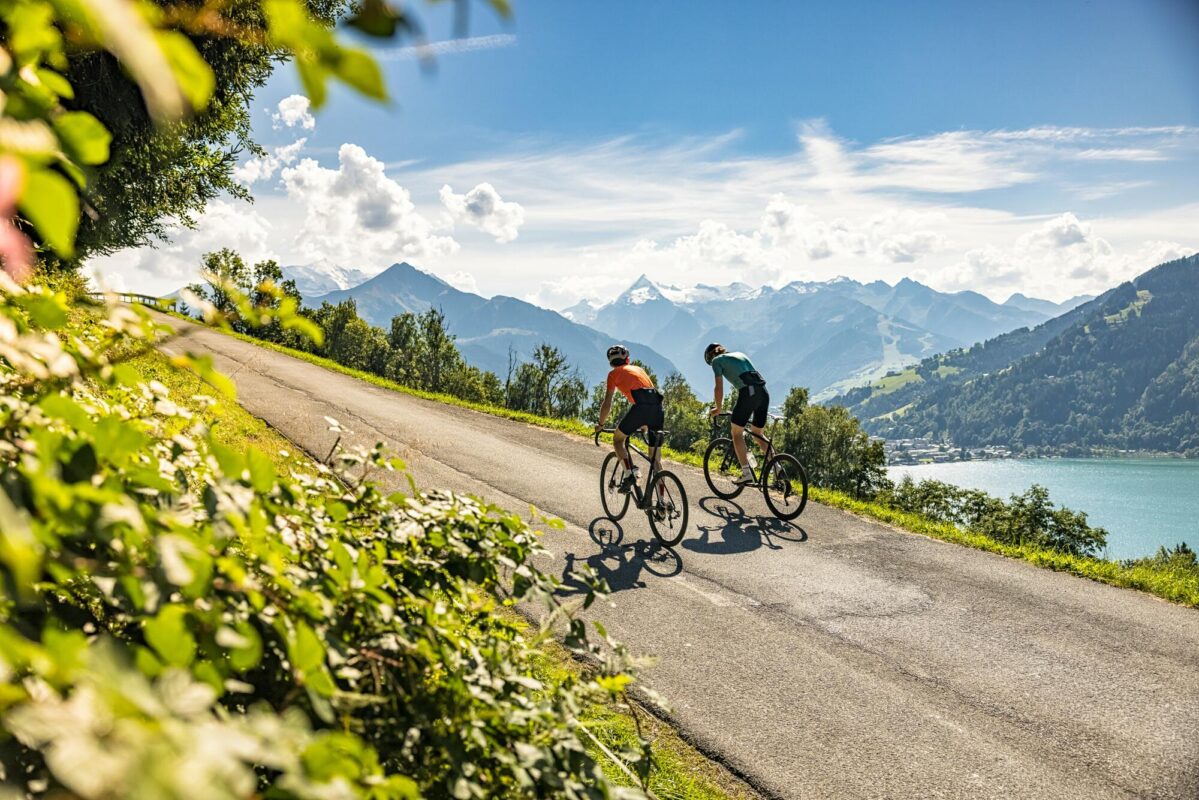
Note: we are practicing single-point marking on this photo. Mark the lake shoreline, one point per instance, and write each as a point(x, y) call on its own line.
point(1144, 502)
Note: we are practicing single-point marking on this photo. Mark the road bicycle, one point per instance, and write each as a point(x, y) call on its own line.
point(663, 499)
point(783, 480)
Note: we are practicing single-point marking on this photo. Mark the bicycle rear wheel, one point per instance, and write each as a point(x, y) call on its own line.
point(612, 473)
point(785, 486)
point(722, 469)
point(667, 508)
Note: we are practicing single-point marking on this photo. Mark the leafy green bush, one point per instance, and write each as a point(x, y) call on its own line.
point(1029, 518)
point(181, 620)
point(832, 446)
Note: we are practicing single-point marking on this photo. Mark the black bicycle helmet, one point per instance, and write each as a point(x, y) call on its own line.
point(711, 351)
point(618, 354)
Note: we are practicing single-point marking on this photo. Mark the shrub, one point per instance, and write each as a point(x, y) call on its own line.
point(181, 620)
point(1028, 518)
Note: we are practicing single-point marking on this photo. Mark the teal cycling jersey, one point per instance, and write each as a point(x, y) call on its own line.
point(732, 366)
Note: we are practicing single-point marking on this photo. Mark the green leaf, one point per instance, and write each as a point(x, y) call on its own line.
point(55, 83)
point(312, 76)
point(59, 406)
point(84, 137)
point(262, 471)
point(248, 650)
point(359, 70)
point(231, 462)
point(190, 69)
point(46, 311)
point(305, 649)
point(167, 633)
point(379, 18)
point(50, 203)
point(118, 441)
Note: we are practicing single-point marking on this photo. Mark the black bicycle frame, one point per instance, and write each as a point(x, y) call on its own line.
point(774, 420)
point(652, 457)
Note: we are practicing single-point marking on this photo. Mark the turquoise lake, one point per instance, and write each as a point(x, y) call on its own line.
point(1143, 503)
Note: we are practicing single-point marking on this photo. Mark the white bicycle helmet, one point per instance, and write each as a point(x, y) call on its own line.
point(618, 354)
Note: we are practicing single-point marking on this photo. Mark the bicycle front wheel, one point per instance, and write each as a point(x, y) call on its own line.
point(785, 485)
point(615, 502)
point(667, 508)
point(722, 469)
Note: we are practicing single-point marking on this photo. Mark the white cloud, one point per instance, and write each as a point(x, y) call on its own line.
point(1065, 230)
point(462, 280)
point(1120, 154)
point(356, 215)
point(445, 47)
point(483, 207)
point(225, 223)
point(293, 111)
point(263, 168)
point(700, 210)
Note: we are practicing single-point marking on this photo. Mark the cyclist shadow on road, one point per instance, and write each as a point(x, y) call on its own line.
point(618, 563)
point(734, 531)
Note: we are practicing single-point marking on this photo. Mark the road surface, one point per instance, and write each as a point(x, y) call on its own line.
point(839, 658)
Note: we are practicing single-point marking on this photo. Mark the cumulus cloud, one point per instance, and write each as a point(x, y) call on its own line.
point(263, 168)
point(483, 207)
point(293, 111)
point(463, 280)
point(1065, 230)
point(225, 223)
point(356, 214)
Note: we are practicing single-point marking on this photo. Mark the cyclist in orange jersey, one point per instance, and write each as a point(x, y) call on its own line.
point(645, 411)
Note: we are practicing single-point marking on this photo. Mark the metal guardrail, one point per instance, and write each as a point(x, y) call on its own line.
point(160, 303)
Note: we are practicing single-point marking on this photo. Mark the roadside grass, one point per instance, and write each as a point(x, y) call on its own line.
point(1175, 585)
point(231, 424)
point(681, 772)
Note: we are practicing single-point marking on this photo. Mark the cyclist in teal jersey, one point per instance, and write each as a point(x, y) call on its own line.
point(753, 401)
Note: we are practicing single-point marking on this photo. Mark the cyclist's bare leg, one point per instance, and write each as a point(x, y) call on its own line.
point(622, 452)
point(759, 437)
point(738, 432)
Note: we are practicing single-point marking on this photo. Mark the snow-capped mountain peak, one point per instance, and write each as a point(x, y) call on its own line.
point(322, 277)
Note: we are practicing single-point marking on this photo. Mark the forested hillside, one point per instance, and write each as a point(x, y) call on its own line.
point(1121, 371)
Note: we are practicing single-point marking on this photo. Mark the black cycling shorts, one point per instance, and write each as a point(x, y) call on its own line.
point(647, 410)
point(752, 401)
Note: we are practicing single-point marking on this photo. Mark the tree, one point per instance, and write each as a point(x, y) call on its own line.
point(686, 415)
point(141, 118)
point(225, 270)
point(438, 353)
point(831, 444)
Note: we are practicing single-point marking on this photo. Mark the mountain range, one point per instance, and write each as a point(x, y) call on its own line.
point(313, 280)
point(828, 336)
point(1119, 371)
point(487, 329)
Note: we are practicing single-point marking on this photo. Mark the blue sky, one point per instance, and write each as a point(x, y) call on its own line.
point(1045, 147)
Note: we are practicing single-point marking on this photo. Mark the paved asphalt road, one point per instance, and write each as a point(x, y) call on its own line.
point(840, 658)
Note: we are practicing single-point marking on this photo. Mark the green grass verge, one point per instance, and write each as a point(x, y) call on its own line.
point(231, 424)
point(681, 772)
point(1173, 585)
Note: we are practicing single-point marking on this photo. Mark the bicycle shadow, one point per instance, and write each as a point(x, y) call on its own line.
point(738, 532)
point(619, 564)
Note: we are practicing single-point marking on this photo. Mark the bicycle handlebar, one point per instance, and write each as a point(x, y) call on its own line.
point(605, 430)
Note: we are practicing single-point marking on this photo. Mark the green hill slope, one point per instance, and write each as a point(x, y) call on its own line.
point(1121, 371)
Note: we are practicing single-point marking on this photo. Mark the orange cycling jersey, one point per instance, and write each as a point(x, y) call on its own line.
point(627, 378)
